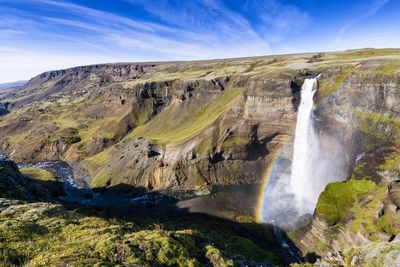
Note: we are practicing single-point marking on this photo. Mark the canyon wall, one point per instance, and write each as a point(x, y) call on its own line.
point(185, 125)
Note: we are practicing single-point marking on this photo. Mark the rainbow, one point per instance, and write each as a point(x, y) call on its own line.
point(266, 178)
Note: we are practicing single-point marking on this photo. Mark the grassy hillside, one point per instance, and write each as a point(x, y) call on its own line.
point(34, 233)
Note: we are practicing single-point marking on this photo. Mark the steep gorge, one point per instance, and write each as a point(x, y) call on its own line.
point(186, 125)
point(191, 132)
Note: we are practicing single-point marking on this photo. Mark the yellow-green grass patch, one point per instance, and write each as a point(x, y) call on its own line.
point(181, 121)
point(38, 174)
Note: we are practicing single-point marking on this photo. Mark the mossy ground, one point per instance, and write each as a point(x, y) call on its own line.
point(335, 202)
point(38, 174)
point(365, 219)
point(329, 86)
point(45, 234)
point(42, 234)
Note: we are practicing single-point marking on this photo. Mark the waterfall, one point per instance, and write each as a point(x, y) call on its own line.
point(318, 158)
point(304, 150)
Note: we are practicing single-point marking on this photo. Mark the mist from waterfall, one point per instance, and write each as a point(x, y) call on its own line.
point(317, 159)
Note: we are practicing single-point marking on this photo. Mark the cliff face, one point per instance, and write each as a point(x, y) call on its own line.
point(358, 217)
point(189, 124)
point(181, 125)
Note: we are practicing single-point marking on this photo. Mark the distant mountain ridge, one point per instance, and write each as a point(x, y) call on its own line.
point(12, 84)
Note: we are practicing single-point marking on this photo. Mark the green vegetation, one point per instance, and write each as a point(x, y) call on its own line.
point(214, 255)
point(381, 129)
point(175, 124)
point(98, 113)
point(42, 234)
point(78, 122)
point(328, 87)
point(95, 166)
point(374, 119)
point(375, 254)
point(364, 216)
point(234, 141)
point(389, 68)
point(322, 245)
point(183, 120)
point(387, 223)
point(38, 174)
point(390, 164)
point(335, 202)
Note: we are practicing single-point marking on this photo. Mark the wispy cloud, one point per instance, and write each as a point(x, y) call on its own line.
point(171, 30)
point(192, 29)
point(278, 19)
point(207, 22)
point(366, 11)
point(7, 49)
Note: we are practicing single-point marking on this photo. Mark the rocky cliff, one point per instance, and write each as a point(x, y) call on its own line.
point(166, 125)
point(352, 215)
point(189, 124)
point(184, 125)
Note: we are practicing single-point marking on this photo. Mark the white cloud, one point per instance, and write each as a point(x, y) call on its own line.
point(198, 29)
point(366, 11)
point(278, 19)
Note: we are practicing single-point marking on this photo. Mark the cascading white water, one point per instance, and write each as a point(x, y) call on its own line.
point(318, 158)
point(305, 143)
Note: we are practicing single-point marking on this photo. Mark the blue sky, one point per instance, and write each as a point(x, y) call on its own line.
point(41, 35)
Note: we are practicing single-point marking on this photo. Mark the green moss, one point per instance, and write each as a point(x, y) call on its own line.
point(364, 217)
point(205, 146)
point(48, 235)
point(181, 121)
point(381, 130)
point(177, 123)
point(94, 166)
point(322, 245)
point(389, 68)
point(390, 164)
point(389, 249)
point(38, 174)
point(42, 234)
point(336, 201)
point(214, 255)
point(234, 141)
point(328, 87)
point(387, 224)
point(373, 121)
point(240, 247)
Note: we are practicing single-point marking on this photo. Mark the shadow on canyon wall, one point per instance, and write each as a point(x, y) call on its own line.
point(167, 212)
